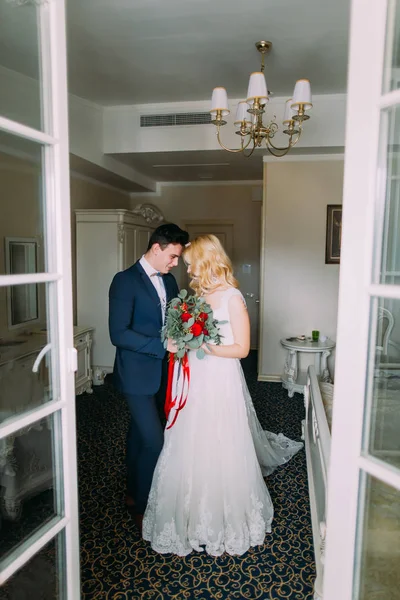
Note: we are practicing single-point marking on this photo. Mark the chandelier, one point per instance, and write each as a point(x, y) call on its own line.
point(249, 114)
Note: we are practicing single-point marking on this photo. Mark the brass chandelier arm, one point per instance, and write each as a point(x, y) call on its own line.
point(287, 148)
point(251, 151)
point(283, 152)
point(233, 150)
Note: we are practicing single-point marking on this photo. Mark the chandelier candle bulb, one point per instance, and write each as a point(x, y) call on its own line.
point(289, 112)
point(242, 114)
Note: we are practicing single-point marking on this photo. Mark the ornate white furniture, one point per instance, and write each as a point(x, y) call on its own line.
point(107, 241)
point(83, 339)
point(26, 463)
point(293, 379)
point(317, 441)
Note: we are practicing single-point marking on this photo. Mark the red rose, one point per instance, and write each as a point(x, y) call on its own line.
point(186, 317)
point(196, 329)
point(205, 331)
point(203, 316)
point(184, 307)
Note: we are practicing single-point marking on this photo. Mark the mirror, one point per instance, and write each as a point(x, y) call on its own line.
point(22, 300)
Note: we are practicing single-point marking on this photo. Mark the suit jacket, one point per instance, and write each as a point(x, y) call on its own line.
point(135, 322)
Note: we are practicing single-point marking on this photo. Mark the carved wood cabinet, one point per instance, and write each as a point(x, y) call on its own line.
point(107, 241)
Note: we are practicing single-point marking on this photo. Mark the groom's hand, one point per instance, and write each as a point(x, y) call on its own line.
point(171, 346)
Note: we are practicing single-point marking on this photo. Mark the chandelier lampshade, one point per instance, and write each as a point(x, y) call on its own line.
point(257, 89)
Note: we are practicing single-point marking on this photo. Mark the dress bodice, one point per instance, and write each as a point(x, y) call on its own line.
point(221, 313)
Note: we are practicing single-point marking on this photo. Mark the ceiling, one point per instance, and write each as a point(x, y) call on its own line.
point(141, 51)
point(133, 52)
point(151, 51)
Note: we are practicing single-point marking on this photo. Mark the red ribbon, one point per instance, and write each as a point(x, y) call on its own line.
point(181, 381)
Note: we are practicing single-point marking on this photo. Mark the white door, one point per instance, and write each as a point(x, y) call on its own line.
point(39, 549)
point(363, 527)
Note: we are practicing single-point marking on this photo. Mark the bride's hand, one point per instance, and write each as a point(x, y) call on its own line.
point(206, 348)
point(172, 346)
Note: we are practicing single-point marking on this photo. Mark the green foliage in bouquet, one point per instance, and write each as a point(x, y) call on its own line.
point(190, 323)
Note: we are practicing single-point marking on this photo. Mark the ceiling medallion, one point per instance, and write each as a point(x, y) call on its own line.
point(249, 113)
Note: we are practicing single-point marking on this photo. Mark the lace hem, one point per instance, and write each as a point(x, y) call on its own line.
point(234, 543)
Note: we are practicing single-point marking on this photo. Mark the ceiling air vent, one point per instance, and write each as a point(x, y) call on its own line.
point(197, 118)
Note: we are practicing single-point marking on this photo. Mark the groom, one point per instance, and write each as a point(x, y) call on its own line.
point(137, 304)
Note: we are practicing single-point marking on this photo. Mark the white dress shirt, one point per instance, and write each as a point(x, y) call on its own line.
point(157, 280)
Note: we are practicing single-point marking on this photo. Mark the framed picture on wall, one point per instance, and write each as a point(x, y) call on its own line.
point(333, 234)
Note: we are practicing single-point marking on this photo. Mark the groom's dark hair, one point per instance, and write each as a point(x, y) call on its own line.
point(166, 234)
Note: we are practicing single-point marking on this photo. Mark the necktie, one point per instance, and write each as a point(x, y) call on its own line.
point(159, 285)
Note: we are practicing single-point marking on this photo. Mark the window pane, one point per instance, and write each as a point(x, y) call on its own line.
point(30, 481)
point(20, 94)
point(379, 544)
point(383, 413)
point(25, 231)
point(391, 77)
point(24, 313)
point(42, 577)
point(390, 236)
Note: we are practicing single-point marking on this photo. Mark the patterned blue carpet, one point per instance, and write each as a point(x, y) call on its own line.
point(116, 563)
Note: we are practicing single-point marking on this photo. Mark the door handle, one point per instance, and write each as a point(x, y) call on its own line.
point(257, 302)
point(39, 357)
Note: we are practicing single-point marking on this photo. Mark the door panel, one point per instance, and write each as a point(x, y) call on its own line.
point(37, 358)
point(363, 528)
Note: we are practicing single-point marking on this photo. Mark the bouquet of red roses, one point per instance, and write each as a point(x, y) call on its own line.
point(190, 323)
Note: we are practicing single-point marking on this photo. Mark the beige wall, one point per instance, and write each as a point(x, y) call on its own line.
point(300, 292)
point(20, 213)
point(233, 203)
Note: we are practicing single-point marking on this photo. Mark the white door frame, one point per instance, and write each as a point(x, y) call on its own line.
point(363, 203)
point(54, 137)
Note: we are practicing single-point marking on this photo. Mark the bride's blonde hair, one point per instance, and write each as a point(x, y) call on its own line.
point(210, 266)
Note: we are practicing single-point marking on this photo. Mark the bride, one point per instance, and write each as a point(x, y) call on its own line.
point(208, 491)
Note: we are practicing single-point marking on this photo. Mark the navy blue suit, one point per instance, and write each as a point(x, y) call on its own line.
point(135, 321)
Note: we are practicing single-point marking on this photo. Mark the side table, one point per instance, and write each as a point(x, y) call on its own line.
point(293, 379)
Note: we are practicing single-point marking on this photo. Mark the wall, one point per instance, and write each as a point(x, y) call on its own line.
point(20, 212)
point(122, 131)
point(227, 202)
point(300, 292)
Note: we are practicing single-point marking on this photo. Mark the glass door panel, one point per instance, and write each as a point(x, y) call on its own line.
point(44, 573)
point(379, 531)
point(390, 160)
point(20, 63)
point(28, 355)
point(31, 482)
point(382, 425)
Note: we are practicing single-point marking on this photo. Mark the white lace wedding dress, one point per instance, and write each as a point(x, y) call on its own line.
point(208, 491)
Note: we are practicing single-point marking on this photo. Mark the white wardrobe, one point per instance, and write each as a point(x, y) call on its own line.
point(107, 241)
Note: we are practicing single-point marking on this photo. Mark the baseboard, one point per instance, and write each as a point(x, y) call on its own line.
point(270, 378)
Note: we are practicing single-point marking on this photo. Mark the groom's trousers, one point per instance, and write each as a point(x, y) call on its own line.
point(144, 444)
point(144, 441)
